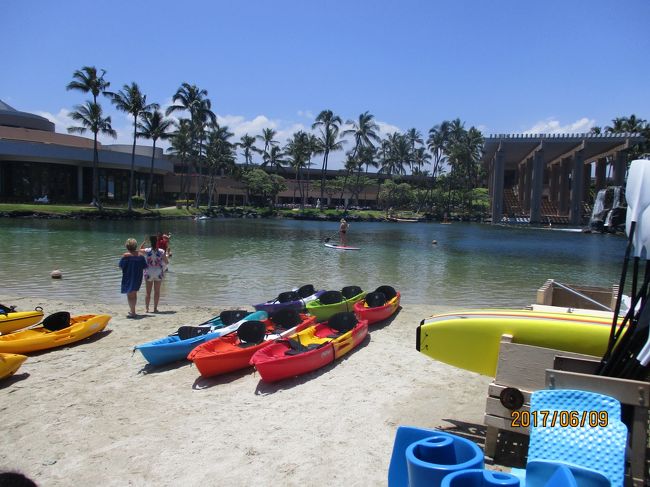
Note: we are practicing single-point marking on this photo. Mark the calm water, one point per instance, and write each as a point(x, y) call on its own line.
point(247, 261)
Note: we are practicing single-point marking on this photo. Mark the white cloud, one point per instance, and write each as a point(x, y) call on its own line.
point(120, 122)
point(552, 126)
point(387, 128)
point(61, 120)
point(306, 114)
point(238, 124)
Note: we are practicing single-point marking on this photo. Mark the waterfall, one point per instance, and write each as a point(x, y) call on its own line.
point(609, 209)
point(599, 207)
point(616, 203)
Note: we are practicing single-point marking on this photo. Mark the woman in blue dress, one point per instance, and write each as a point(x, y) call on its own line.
point(132, 264)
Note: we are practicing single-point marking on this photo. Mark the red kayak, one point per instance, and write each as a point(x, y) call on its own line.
point(378, 305)
point(234, 351)
point(311, 348)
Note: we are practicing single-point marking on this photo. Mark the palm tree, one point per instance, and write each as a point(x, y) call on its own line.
point(630, 124)
point(274, 158)
point(329, 130)
point(298, 151)
point(248, 145)
point(313, 145)
point(437, 144)
point(414, 137)
point(194, 100)
point(398, 154)
point(220, 156)
point(181, 147)
point(267, 138)
point(91, 118)
point(154, 126)
point(88, 80)
point(364, 130)
point(132, 101)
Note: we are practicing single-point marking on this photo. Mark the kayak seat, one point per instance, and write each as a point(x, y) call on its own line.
point(230, 316)
point(57, 321)
point(331, 297)
point(295, 347)
point(9, 309)
point(351, 291)
point(342, 322)
point(389, 291)
point(285, 318)
point(287, 297)
point(306, 290)
point(187, 332)
point(251, 333)
point(376, 299)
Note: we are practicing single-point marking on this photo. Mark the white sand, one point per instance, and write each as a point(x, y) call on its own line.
point(93, 414)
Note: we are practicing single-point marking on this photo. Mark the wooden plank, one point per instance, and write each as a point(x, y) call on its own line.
point(572, 364)
point(630, 392)
point(523, 366)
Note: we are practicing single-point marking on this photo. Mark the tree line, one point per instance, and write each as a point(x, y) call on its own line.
point(447, 162)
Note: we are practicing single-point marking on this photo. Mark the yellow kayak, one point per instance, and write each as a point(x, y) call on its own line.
point(10, 363)
point(50, 334)
point(470, 339)
point(16, 320)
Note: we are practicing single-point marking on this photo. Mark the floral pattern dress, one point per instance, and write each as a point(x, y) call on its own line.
point(155, 270)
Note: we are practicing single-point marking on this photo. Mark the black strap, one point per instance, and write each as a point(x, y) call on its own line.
point(6, 309)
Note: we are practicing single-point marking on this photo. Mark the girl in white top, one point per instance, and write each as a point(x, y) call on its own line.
point(155, 271)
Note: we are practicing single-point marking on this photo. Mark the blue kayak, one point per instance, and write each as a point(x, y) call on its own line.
point(178, 345)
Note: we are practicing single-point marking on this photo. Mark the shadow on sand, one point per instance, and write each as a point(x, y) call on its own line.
point(208, 382)
point(266, 388)
point(383, 324)
point(91, 339)
point(13, 379)
point(157, 369)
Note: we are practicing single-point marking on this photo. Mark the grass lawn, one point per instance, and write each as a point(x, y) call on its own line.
point(173, 212)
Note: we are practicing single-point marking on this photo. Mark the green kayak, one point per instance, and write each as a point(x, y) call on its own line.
point(332, 302)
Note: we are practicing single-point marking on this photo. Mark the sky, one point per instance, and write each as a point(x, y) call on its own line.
point(503, 66)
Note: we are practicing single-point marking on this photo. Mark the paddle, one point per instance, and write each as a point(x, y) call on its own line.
point(327, 239)
point(638, 232)
point(639, 343)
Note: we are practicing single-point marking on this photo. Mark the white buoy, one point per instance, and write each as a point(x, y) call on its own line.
point(56, 274)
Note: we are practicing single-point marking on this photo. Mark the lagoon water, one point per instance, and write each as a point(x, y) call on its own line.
point(233, 261)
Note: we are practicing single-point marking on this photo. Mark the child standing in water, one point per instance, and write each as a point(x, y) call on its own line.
point(132, 265)
point(154, 273)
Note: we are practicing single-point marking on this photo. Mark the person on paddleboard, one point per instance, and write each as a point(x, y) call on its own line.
point(343, 230)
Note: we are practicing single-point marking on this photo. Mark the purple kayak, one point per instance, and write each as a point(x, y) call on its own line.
point(296, 299)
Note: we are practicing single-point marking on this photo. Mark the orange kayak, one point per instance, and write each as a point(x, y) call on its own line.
point(233, 351)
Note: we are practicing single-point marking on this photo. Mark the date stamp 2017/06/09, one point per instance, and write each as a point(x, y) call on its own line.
point(564, 419)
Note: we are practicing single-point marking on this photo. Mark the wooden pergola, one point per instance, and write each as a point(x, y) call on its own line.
point(529, 169)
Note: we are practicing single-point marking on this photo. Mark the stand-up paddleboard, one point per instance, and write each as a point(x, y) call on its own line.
point(470, 339)
point(341, 247)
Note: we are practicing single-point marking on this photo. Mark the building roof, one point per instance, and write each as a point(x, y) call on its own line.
point(519, 147)
point(10, 117)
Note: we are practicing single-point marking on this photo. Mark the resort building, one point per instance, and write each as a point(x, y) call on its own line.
point(539, 178)
point(36, 161)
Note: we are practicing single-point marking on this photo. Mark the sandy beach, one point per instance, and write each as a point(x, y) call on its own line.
point(96, 414)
